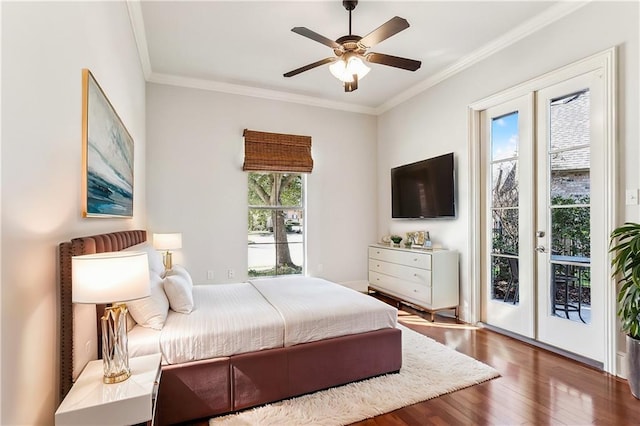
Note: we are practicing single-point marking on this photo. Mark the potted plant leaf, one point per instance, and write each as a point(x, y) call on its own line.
point(625, 246)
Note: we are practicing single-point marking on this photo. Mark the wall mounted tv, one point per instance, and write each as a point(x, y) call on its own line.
point(425, 189)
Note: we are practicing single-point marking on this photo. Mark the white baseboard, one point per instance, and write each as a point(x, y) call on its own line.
point(621, 365)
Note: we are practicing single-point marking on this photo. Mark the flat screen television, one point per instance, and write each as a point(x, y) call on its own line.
point(425, 189)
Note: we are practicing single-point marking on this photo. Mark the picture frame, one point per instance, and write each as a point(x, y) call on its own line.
point(107, 155)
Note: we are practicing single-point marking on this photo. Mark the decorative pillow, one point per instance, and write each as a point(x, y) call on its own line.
point(181, 271)
point(179, 292)
point(130, 321)
point(155, 258)
point(151, 311)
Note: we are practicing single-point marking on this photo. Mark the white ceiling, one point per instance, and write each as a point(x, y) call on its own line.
point(245, 46)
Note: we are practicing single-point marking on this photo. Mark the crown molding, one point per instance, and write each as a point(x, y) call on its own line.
point(137, 25)
point(527, 28)
point(237, 89)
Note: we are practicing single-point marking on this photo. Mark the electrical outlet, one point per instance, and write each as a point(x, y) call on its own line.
point(631, 197)
point(231, 273)
point(209, 275)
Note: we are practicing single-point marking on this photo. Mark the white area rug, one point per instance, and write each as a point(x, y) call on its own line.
point(429, 369)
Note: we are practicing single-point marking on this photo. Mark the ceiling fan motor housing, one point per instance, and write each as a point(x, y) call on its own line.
point(349, 4)
point(349, 43)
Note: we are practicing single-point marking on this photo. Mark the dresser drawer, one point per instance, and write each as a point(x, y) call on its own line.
point(405, 273)
point(412, 292)
point(416, 260)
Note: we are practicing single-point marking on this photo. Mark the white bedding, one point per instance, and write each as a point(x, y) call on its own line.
point(230, 319)
point(316, 309)
point(227, 319)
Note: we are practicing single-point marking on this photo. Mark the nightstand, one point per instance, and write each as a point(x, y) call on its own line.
point(90, 401)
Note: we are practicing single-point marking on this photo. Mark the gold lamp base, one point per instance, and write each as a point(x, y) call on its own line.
point(115, 346)
point(168, 264)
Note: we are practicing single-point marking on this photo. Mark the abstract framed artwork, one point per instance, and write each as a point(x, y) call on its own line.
point(107, 156)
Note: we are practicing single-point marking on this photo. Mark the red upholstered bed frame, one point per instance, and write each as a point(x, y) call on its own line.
point(222, 385)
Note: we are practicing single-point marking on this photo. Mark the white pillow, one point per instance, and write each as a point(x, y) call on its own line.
point(155, 258)
point(181, 271)
point(179, 292)
point(151, 311)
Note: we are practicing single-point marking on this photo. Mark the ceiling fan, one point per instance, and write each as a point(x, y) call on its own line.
point(351, 51)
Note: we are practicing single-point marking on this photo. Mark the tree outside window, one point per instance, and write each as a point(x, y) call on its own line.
point(275, 224)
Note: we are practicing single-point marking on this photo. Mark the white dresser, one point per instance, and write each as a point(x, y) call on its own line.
point(427, 279)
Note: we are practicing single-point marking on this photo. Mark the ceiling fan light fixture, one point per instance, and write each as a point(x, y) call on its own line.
point(344, 68)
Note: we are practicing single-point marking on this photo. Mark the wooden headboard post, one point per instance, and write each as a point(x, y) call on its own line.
point(101, 243)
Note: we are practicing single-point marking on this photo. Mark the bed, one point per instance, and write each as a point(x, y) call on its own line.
point(292, 351)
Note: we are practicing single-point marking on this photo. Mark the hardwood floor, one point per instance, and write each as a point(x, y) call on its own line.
point(536, 387)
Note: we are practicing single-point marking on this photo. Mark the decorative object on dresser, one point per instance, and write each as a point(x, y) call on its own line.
point(107, 155)
point(425, 279)
point(108, 278)
point(167, 242)
point(396, 240)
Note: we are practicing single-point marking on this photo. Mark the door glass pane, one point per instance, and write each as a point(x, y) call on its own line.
point(569, 203)
point(504, 184)
point(504, 208)
point(505, 231)
point(570, 231)
point(570, 180)
point(504, 136)
point(569, 121)
point(571, 291)
point(504, 278)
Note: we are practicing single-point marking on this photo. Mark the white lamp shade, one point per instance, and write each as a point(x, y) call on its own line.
point(344, 68)
point(167, 241)
point(110, 277)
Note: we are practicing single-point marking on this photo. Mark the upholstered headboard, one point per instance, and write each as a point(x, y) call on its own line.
point(78, 323)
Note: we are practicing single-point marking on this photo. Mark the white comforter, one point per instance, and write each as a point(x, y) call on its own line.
point(316, 309)
point(230, 319)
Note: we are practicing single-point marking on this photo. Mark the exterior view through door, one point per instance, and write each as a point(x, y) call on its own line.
point(544, 204)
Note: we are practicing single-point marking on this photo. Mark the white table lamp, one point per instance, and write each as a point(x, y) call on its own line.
point(107, 278)
point(167, 242)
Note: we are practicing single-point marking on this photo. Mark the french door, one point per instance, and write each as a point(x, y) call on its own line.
point(509, 204)
point(544, 207)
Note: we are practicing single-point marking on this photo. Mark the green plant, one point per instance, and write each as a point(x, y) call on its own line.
point(625, 244)
point(396, 239)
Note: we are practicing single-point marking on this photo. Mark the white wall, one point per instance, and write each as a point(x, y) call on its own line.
point(44, 47)
point(195, 182)
point(435, 121)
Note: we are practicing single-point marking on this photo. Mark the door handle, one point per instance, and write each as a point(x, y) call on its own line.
point(541, 249)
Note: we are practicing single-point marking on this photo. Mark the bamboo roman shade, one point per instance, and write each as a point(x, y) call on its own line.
point(276, 152)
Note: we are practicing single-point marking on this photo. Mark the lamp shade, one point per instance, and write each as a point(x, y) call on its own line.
point(167, 241)
point(344, 68)
point(110, 277)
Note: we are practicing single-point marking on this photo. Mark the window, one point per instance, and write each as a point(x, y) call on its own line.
point(275, 225)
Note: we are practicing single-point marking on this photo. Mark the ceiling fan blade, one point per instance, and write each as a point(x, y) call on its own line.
point(306, 32)
point(393, 61)
point(384, 31)
point(310, 66)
